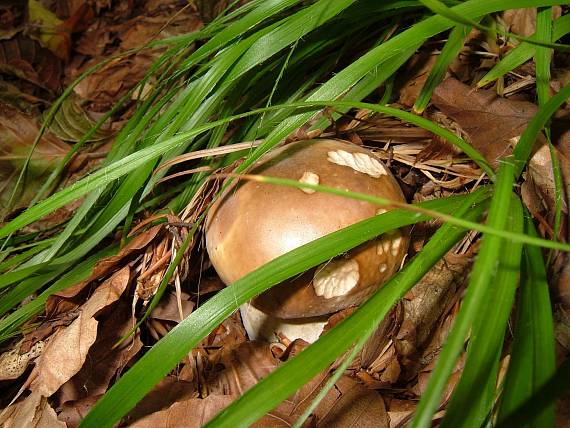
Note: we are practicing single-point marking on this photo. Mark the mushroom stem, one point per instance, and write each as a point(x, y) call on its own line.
point(260, 326)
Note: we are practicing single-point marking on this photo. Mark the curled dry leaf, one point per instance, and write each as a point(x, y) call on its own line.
point(490, 122)
point(13, 363)
point(32, 412)
point(67, 349)
point(62, 301)
point(17, 135)
point(105, 362)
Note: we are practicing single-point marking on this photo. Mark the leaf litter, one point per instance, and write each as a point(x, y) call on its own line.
point(73, 355)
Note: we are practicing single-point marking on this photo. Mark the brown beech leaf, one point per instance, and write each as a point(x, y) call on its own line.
point(17, 134)
point(490, 122)
point(66, 351)
point(72, 413)
point(167, 309)
point(105, 362)
point(58, 302)
point(243, 367)
point(32, 412)
point(190, 413)
point(357, 406)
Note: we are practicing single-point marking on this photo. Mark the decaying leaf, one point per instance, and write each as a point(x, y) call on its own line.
point(13, 363)
point(67, 349)
point(105, 361)
point(62, 301)
point(490, 122)
point(32, 412)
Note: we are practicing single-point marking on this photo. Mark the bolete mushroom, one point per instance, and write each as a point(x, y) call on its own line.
point(252, 223)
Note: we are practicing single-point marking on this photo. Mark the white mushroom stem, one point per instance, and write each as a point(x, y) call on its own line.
point(260, 326)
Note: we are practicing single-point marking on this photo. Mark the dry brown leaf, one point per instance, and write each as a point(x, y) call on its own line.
point(66, 351)
point(17, 134)
point(190, 413)
point(105, 362)
point(243, 367)
point(62, 301)
point(414, 77)
point(398, 410)
point(357, 406)
point(72, 413)
point(523, 21)
point(167, 308)
point(489, 122)
point(32, 412)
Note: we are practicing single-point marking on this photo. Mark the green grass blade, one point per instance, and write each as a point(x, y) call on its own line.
point(166, 353)
point(523, 52)
point(441, 9)
point(474, 300)
point(556, 386)
point(523, 148)
point(448, 54)
point(542, 55)
point(286, 379)
point(532, 357)
point(469, 406)
point(9, 324)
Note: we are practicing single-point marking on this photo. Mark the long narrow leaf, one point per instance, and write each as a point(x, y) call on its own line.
point(166, 353)
point(474, 301)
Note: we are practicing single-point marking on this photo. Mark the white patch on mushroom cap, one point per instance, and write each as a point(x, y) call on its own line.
point(383, 267)
point(381, 211)
point(396, 244)
point(336, 278)
point(360, 162)
point(309, 177)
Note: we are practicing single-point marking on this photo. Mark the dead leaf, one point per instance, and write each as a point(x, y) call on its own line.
point(490, 122)
point(190, 413)
point(67, 349)
point(357, 406)
point(167, 308)
point(62, 301)
point(105, 362)
point(32, 412)
point(414, 77)
point(13, 363)
point(17, 135)
point(49, 29)
point(242, 368)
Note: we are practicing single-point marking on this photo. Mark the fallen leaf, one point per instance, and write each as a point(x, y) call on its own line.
point(167, 309)
point(357, 406)
point(67, 349)
point(62, 301)
point(32, 412)
point(490, 122)
point(105, 362)
point(13, 363)
point(49, 29)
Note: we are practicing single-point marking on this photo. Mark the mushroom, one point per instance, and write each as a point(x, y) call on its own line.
point(252, 223)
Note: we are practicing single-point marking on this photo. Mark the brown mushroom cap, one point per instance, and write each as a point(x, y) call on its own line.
point(253, 223)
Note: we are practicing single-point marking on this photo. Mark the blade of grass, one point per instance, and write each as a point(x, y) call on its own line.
point(286, 379)
point(474, 300)
point(440, 8)
point(523, 149)
point(542, 55)
point(448, 54)
point(515, 237)
point(9, 324)
point(523, 52)
point(166, 353)
point(556, 386)
point(469, 406)
point(532, 356)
